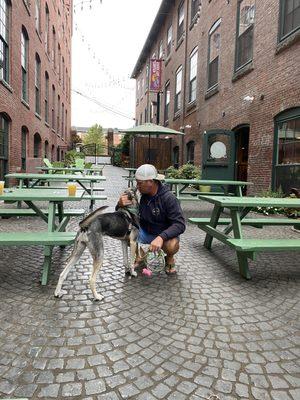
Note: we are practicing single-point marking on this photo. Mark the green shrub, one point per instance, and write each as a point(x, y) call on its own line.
point(71, 155)
point(58, 164)
point(88, 165)
point(186, 171)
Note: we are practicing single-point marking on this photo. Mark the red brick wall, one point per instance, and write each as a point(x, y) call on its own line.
point(274, 81)
point(19, 113)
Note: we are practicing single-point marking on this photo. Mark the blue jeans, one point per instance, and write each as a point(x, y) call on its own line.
point(145, 237)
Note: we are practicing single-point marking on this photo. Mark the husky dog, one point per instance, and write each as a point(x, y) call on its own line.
point(122, 224)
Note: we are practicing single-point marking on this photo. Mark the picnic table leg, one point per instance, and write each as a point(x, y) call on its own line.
point(237, 231)
point(46, 265)
point(51, 216)
point(243, 214)
point(213, 223)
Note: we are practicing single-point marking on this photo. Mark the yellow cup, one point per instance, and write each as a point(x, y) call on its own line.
point(2, 187)
point(72, 189)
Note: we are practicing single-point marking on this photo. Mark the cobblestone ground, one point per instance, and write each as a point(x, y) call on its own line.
point(204, 334)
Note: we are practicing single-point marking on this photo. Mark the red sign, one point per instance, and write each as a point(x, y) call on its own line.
point(155, 75)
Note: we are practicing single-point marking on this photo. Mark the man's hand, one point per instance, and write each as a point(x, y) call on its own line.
point(124, 201)
point(156, 244)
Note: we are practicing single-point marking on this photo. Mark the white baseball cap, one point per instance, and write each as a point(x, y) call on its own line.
point(148, 172)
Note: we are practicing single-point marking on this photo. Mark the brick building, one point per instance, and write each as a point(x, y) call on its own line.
point(231, 82)
point(35, 70)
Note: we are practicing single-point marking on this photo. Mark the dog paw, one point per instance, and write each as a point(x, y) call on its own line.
point(98, 297)
point(58, 295)
point(133, 273)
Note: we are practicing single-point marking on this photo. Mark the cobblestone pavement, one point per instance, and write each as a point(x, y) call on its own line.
point(204, 334)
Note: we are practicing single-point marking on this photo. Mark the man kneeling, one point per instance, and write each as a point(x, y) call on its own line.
point(161, 216)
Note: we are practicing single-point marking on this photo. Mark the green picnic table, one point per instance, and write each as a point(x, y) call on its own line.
point(181, 185)
point(87, 171)
point(33, 180)
point(55, 234)
point(239, 208)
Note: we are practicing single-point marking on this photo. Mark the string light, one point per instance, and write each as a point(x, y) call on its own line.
point(106, 107)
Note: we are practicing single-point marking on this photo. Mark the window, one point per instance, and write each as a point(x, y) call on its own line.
point(147, 76)
point(176, 157)
point(54, 48)
point(59, 62)
point(63, 73)
point(4, 129)
point(193, 75)
point(46, 149)
point(180, 25)
point(178, 84)
point(138, 89)
point(37, 84)
point(146, 114)
point(62, 120)
point(53, 108)
point(143, 87)
point(167, 102)
point(287, 150)
point(58, 115)
point(245, 24)
point(47, 27)
point(37, 146)
point(4, 39)
point(24, 147)
point(160, 50)
point(214, 54)
point(38, 16)
point(169, 40)
point(190, 149)
point(24, 63)
point(289, 17)
point(66, 125)
point(46, 97)
point(194, 8)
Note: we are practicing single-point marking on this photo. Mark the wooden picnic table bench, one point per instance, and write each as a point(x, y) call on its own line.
point(55, 234)
point(183, 192)
point(70, 170)
point(33, 180)
point(239, 208)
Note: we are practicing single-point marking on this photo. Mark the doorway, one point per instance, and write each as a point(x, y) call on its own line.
point(242, 152)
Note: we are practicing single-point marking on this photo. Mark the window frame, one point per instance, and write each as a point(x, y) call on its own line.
point(189, 145)
point(167, 103)
point(37, 84)
point(237, 37)
point(46, 103)
point(177, 94)
point(4, 71)
point(169, 42)
point(214, 27)
point(194, 9)
point(180, 25)
point(281, 35)
point(24, 63)
point(24, 136)
point(194, 79)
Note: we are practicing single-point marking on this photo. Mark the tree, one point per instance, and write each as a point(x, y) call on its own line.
point(95, 135)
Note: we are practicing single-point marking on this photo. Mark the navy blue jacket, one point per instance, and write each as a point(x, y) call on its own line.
point(161, 214)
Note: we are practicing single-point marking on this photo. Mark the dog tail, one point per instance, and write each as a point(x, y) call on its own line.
point(86, 222)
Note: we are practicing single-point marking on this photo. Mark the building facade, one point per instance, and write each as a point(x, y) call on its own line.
point(231, 82)
point(35, 83)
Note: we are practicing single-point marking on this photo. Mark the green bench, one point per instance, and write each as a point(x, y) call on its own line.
point(255, 245)
point(28, 212)
point(255, 222)
point(46, 239)
point(93, 197)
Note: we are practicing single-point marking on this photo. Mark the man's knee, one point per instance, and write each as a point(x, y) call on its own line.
point(171, 246)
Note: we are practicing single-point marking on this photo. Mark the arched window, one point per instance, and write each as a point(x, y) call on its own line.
point(4, 132)
point(37, 84)
point(178, 86)
point(53, 153)
point(244, 34)
point(5, 8)
point(46, 97)
point(190, 148)
point(24, 139)
point(46, 149)
point(38, 16)
point(53, 108)
point(24, 63)
point(193, 75)
point(57, 154)
point(176, 156)
point(287, 150)
point(47, 29)
point(37, 146)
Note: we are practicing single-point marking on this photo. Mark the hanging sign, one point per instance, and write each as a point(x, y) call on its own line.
point(155, 75)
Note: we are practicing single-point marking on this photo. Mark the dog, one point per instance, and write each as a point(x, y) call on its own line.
point(122, 224)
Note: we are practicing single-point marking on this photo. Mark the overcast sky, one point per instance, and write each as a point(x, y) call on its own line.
point(107, 40)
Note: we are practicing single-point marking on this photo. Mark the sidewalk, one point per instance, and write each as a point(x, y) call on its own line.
point(204, 334)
